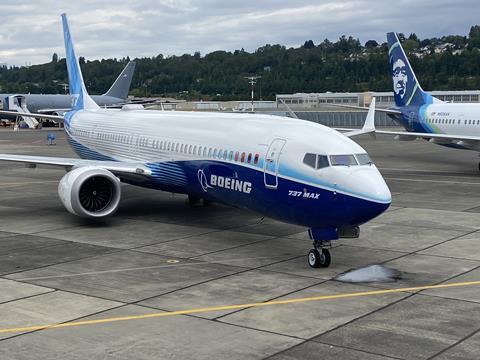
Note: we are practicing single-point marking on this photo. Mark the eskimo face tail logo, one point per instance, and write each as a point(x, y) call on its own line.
point(400, 78)
point(202, 179)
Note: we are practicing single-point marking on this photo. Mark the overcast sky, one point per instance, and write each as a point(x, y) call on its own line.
point(30, 31)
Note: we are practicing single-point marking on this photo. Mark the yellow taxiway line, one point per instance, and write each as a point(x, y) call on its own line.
point(236, 307)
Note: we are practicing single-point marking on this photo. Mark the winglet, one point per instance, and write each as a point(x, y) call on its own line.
point(75, 79)
point(368, 126)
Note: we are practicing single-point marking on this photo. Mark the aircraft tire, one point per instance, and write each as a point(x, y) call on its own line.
point(317, 259)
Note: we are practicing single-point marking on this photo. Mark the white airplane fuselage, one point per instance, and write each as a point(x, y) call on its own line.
point(458, 119)
point(246, 160)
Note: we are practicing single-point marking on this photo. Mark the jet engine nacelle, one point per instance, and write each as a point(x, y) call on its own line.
point(90, 192)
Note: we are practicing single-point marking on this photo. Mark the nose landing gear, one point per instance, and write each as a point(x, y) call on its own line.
point(320, 256)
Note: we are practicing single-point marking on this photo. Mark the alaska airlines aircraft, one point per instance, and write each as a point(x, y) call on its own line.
point(455, 125)
point(291, 170)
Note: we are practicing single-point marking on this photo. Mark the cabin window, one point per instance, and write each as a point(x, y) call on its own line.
point(342, 160)
point(249, 160)
point(242, 158)
point(230, 156)
point(195, 150)
point(236, 156)
point(209, 152)
point(205, 151)
point(215, 153)
point(199, 151)
point(255, 160)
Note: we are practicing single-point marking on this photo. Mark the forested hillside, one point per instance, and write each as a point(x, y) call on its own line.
point(447, 63)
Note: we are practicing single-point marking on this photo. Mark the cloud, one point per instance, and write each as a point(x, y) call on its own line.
point(30, 31)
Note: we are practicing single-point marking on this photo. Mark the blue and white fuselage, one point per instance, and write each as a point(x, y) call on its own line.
point(459, 123)
point(246, 160)
point(288, 169)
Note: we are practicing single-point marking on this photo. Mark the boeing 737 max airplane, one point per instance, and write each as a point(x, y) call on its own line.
point(291, 170)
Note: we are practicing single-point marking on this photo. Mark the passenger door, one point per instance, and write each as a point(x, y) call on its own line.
point(272, 162)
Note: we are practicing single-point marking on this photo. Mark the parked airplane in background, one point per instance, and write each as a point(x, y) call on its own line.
point(59, 104)
point(455, 125)
point(291, 170)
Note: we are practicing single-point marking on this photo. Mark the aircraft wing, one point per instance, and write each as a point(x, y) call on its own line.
point(42, 116)
point(134, 102)
point(388, 111)
point(53, 111)
point(116, 167)
point(369, 127)
point(429, 135)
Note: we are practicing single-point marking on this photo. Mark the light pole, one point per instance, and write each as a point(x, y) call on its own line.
point(252, 80)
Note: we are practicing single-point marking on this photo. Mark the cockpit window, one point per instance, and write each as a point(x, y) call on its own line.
point(316, 161)
point(343, 160)
point(322, 161)
point(310, 160)
point(364, 159)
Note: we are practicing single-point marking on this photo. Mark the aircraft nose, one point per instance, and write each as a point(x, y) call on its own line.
point(376, 188)
point(374, 194)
